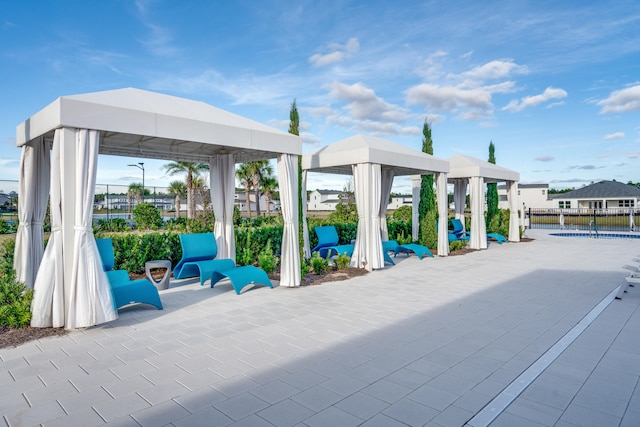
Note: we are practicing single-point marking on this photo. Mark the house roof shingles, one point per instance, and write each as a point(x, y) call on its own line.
point(603, 190)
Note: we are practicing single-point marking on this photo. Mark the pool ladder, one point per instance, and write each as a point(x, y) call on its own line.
point(594, 227)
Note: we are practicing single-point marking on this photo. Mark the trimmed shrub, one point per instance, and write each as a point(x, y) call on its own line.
point(318, 264)
point(15, 302)
point(132, 250)
point(342, 261)
point(403, 213)
point(267, 260)
point(428, 232)
point(146, 216)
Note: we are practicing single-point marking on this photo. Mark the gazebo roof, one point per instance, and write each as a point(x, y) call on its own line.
point(139, 123)
point(467, 167)
point(340, 156)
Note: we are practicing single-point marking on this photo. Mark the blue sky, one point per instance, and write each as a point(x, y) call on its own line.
point(555, 85)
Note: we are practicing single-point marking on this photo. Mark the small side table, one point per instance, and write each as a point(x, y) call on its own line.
point(163, 263)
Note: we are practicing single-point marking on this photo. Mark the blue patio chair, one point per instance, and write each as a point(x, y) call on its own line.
point(126, 291)
point(328, 242)
point(451, 236)
point(242, 278)
point(458, 229)
point(417, 249)
point(199, 253)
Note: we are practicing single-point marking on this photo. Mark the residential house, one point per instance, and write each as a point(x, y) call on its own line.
point(399, 201)
point(324, 200)
point(601, 195)
point(534, 196)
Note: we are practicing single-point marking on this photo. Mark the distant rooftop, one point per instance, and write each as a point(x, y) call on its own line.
point(602, 189)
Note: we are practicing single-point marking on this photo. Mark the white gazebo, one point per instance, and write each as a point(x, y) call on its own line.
point(70, 288)
point(476, 173)
point(374, 162)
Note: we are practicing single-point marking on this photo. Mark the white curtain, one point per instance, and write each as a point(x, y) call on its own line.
point(368, 248)
point(478, 237)
point(305, 227)
point(514, 221)
point(290, 256)
point(415, 206)
point(386, 182)
point(443, 213)
point(222, 177)
point(459, 198)
point(33, 195)
point(47, 307)
point(90, 298)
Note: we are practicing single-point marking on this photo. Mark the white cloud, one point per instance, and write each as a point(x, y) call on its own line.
point(448, 97)
point(544, 158)
point(531, 101)
point(616, 135)
point(322, 111)
point(468, 94)
point(431, 68)
point(493, 70)
point(363, 103)
point(621, 101)
point(337, 53)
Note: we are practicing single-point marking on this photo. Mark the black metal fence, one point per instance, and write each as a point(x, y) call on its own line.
point(613, 219)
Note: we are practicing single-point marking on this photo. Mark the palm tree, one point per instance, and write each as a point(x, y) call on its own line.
point(192, 170)
point(269, 184)
point(245, 176)
point(134, 191)
point(177, 189)
point(259, 169)
point(200, 192)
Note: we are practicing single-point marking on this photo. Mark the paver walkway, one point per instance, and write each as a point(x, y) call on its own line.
point(426, 342)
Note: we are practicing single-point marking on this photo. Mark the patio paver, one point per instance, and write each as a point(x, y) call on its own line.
point(421, 343)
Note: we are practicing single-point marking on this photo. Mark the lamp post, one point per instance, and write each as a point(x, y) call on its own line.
point(140, 166)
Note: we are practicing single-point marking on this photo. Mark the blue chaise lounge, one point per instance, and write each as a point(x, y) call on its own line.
point(199, 253)
point(126, 291)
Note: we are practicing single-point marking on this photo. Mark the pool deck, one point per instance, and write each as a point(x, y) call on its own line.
point(429, 342)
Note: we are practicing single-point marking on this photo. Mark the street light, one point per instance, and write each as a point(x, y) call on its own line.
point(140, 166)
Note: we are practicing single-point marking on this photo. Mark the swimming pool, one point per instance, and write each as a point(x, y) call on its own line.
point(598, 236)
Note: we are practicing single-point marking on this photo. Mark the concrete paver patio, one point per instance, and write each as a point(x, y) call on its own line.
point(426, 342)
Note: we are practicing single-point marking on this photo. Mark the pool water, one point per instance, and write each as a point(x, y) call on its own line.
point(598, 236)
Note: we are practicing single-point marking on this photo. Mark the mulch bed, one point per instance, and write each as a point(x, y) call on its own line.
point(11, 337)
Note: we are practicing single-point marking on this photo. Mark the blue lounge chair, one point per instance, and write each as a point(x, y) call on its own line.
point(419, 250)
point(126, 291)
point(458, 230)
point(242, 278)
point(328, 242)
point(198, 257)
point(453, 237)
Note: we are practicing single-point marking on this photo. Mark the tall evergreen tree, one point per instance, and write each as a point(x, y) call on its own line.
point(294, 128)
point(427, 195)
point(492, 190)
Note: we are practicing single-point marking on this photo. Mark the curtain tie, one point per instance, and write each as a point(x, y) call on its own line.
point(38, 223)
point(83, 228)
point(56, 228)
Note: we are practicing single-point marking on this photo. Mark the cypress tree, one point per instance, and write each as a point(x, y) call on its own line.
point(492, 191)
point(427, 208)
point(427, 195)
point(294, 128)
